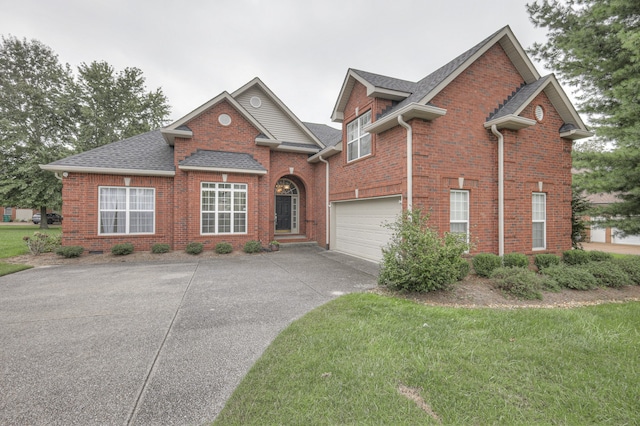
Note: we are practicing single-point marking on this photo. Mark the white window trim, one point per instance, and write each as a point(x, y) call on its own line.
point(465, 221)
point(128, 211)
point(543, 221)
point(216, 213)
point(359, 136)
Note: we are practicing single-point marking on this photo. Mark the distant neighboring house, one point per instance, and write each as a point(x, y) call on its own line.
point(598, 234)
point(483, 144)
point(15, 214)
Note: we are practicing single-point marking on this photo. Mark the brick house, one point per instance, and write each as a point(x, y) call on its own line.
point(483, 144)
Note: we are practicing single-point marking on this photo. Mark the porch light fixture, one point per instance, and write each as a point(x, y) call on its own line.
point(282, 187)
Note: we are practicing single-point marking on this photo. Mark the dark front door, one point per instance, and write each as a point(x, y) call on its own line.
point(283, 213)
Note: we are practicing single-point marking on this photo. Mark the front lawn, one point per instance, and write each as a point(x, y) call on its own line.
point(12, 244)
point(369, 359)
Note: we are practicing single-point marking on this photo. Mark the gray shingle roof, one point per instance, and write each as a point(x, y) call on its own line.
point(147, 151)
point(387, 82)
point(518, 99)
point(327, 134)
point(222, 160)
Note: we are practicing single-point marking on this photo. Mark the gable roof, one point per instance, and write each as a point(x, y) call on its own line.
point(222, 161)
point(147, 154)
point(414, 99)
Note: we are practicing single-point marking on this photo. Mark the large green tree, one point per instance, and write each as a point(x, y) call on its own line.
point(36, 122)
point(116, 105)
point(594, 46)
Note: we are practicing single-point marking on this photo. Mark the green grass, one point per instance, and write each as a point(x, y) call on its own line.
point(11, 244)
point(344, 362)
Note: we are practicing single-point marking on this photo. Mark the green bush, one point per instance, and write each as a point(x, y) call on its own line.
point(516, 260)
point(574, 277)
point(418, 259)
point(463, 269)
point(575, 257)
point(518, 282)
point(546, 260)
point(42, 243)
point(224, 248)
point(599, 256)
point(631, 265)
point(252, 246)
point(122, 249)
point(608, 274)
point(194, 248)
point(70, 251)
point(160, 248)
point(485, 263)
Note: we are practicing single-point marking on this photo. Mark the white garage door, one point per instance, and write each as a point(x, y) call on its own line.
point(358, 226)
point(630, 239)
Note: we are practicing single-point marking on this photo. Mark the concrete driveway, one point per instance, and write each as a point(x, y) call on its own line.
point(152, 343)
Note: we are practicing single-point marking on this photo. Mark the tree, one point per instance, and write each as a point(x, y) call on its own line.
point(579, 208)
point(36, 123)
point(115, 106)
point(594, 45)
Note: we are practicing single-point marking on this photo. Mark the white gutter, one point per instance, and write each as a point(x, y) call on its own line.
point(409, 161)
point(494, 130)
point(327, 212)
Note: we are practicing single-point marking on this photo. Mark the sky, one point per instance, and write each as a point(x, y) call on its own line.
point(196, 49)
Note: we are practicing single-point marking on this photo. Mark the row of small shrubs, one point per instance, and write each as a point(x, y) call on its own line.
point(39, 242)
point(42, 243)
point(485, 263)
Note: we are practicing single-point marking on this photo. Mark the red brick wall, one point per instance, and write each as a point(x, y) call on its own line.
point(457, 145)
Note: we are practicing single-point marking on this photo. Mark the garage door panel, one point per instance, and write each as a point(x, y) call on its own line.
point(359, 226)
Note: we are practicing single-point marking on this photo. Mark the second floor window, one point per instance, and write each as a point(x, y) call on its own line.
point(358, 141)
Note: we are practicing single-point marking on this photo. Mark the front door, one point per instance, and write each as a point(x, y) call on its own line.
point(283, 213)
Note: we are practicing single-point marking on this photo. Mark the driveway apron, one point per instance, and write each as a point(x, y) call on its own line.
point(152, 343)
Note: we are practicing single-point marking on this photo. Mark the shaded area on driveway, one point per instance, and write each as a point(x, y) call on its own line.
point(152, 343)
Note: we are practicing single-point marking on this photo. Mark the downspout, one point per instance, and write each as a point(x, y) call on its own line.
point(494, 130)
point(327, 212)
point(409, 162)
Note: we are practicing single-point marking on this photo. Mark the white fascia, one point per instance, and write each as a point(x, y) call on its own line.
point(107, 171)
point(409, 112)
point(510, 122)
point(576, 134)
point(326, 153)
point(222, 170)
point(170, 135)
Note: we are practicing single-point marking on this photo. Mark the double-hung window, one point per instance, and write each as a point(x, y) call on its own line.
point(539, 218)
point(223, 208)
point(358, 141)
point(124, 210)
point(459, 213)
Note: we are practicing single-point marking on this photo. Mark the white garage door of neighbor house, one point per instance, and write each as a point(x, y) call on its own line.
point(630, 239)
point(358, 226)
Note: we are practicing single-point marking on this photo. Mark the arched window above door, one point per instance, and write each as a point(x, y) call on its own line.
point(286, 187)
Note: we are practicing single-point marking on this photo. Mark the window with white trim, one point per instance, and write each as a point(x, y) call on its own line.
point(125, 210)
point(539, 219)
point(358, 141)
point(459, 213)
point(223, 208)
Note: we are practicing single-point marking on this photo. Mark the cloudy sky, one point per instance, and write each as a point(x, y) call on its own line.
point(195, 49)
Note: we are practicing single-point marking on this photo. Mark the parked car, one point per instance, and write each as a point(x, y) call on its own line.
point(51, 218)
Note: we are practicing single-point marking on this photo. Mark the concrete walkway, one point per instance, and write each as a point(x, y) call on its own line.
point(152, 343)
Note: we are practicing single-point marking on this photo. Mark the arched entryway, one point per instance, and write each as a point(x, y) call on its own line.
point(287, 204)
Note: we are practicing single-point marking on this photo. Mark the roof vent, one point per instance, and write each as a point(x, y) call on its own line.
point(255, 102)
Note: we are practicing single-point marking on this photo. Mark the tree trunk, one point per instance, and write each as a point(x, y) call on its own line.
point(43, 218)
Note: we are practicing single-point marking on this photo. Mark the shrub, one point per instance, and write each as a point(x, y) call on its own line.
point(418, 259)
point(194, 248)
point(42, 243)
point(546, 260)
point(574, 277)
point(599, 256)
point(518, 282)
point(608, 274)
point(631, 265)
point(70, 251)
point(122, 249)
point(463, 269)
point(252, 246)
point(224, 248)
point(516, 260)
point(575, 257)
point(485, 263)
point(160, 248)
